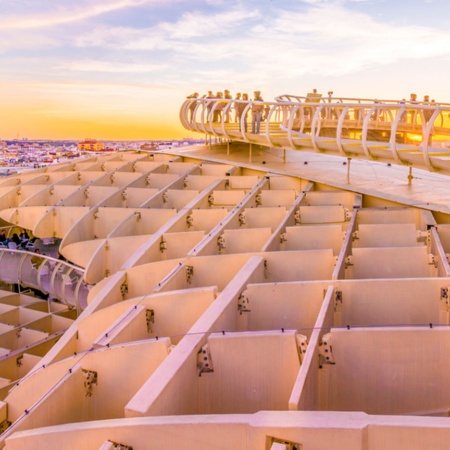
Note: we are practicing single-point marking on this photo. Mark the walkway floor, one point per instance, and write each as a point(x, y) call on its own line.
point(427, 190)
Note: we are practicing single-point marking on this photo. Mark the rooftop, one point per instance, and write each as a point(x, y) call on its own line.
point(282, 299)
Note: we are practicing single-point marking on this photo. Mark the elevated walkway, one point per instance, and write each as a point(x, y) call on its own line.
point(58, 279)
point(412, 134)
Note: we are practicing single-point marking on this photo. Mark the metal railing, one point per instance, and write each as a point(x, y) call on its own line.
point(348, 127)
point(51, 276)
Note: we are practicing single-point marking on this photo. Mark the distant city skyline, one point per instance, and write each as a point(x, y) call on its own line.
point(120, 69)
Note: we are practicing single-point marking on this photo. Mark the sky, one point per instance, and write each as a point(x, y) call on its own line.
point(121, 69)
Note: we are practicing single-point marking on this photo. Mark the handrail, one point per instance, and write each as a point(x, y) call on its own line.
point(335, 99)
point(59, 279)
point(339, 130)
point(426, 137)
point(342, 126)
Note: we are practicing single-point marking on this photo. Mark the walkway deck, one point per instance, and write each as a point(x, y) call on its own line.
point(427, 190)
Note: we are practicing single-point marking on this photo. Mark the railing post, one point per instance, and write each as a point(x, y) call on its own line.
point(348, 169)
point(410, 176)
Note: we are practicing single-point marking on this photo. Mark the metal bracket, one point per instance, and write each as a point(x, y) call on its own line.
point(337, 300)
point(424, 234)
point(242, 219)
point(444, 297)
point(325, 351)
point(210, 199)
point(221, 243)
point(243, 303)
point(124, 289)
point(19, 361)
point(190, 221)
point(4, 425)
point(162, 245)
point(355, 235)
point(204, 362)
point(349, 261)
point(189, 274)
point(283, 238)
point(116, 446)
point(258, 199)
point(273, 443)
point(149, 319)
point(432, 260)
point(90, 379)
point(347, 214)
point(302, 345)
point(297, 217)
point(171, 348)
point(164, 197)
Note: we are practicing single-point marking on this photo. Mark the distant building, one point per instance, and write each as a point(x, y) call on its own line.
point(149, 147)
point(91, 145)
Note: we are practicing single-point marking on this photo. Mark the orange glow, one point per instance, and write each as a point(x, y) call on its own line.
point(72, 111)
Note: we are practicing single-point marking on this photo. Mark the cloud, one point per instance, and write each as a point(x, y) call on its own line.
point(68, 15)
point(268, 44)
point(334, 2)
point(191, 25)
point(326, 29)
point(333, 40)
point(110, 66)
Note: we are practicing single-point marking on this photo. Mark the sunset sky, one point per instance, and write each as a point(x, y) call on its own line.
point(120, 69)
